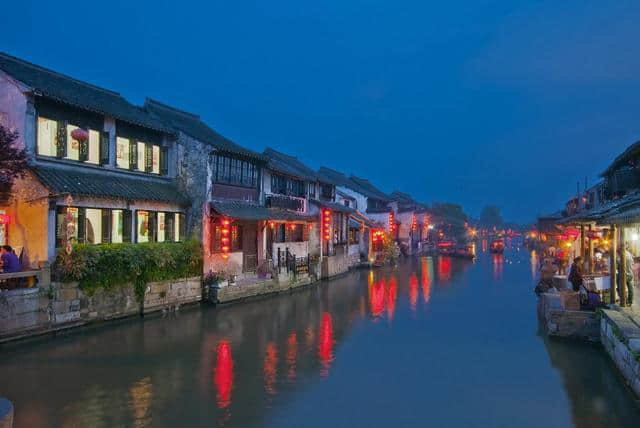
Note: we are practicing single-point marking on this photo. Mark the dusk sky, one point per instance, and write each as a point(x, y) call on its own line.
point(480, 101)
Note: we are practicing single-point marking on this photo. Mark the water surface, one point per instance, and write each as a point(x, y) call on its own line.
point(437, 342)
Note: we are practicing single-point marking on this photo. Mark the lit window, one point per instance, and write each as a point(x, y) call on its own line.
point(155, 165)
point(47, 130)
point(73, 146)
point(3, 231)
point(122, 152)
point(93, 220)
point(141, 156)
point(161, 227)
point(94, 147)
point(117, 227)
point(176, 227)
point(144, 227)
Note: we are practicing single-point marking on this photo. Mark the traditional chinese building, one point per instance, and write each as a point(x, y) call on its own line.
point(102, 169)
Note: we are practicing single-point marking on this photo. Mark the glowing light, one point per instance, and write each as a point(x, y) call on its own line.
point(5, 219)
point(392, 294)
point(270, 368)
point(634, 236)
point(413, 292)
point(292, 356)
point(223, 374)
point(325, 345)
point(326, 227)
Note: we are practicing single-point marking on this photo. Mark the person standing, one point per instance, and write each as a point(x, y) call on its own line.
point(575, 274)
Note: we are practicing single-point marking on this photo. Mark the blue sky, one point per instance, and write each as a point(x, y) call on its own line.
point(505, 102)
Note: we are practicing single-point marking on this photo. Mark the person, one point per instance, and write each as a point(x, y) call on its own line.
point(10, 262)
point(628, 268)
point(575, 274)
point(547, 271)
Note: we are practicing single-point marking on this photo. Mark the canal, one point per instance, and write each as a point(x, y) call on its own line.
point(436, 342)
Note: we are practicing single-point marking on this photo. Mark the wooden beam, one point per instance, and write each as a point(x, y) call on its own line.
point(612, 264)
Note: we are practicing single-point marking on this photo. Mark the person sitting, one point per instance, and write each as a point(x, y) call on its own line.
point(10, 262)
point(576, 273)
point(547, 271)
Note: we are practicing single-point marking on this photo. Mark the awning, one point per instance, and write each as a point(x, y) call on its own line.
point(333, 206)
point(108, 184)
point(629, 216)
point(244, 210)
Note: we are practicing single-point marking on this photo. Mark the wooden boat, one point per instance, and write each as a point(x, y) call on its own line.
point(453, 249)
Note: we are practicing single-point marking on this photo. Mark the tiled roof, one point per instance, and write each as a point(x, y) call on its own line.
point(193, 126)
point(379, 210)
point(244, 210)
point(107, 185)
point(622, 158)
point(289, 165)
point(333, 206)
point(79, 94)
point(363, 186)
point(333, 177)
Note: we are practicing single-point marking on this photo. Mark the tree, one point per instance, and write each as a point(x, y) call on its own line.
point(490, 217)
point(13, 162)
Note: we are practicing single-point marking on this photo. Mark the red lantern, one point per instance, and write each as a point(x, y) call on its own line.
point(5, 219)
point(326, 224)
point(414, 223)
point(80, 135)
point(572, 232)
point(392, 222)
point(226, 232)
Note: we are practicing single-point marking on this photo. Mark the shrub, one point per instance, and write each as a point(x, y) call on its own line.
point(114, 265)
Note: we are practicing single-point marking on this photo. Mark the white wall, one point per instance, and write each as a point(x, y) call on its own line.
point(13, 106)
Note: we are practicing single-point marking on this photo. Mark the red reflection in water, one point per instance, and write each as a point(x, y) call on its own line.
point(413, 292)
point(223, 374)
point(444, 268)
point(292, 356)
point(498, 264)
point(392, 294)
point(325, 344)
point(426, 281)
point(485, 245)
point(270, 368)
point(376, 298)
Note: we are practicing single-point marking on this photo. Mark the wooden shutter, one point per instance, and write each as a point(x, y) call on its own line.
point(164, 162)
point(106, 226)
point(126, 226)
point(183, 227)
point(83, 150)
point(133, 154)
point(153, 227)
point(148, 158)
point(82, 225)
point(169, 230)
point(104, 148)
point(61, 139)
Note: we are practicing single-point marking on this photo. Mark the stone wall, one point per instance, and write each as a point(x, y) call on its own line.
point(191, 178)
point(334, 265)
point(620, 337)
point(562, 317)
point(258, 288)
point(32, 311)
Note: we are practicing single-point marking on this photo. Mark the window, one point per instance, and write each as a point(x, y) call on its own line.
point(73, 145)
point(141, 147)
point(297, 232)
point(234, 171)
point(155, 159)
point(94, 147)
point(122, 152)
point(47, 130)
point(236, 238)
point(143, 226)
point(287, 186)
point(338, 230)
point(354, 236)
point(117, 226)
point(93, 224)
point(281, 233)
point(3, 231)
point(161, 227)
point(327, 192)
point(312, 190)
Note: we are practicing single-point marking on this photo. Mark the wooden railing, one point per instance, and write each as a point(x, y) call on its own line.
point(21, 279)
point(291, 263)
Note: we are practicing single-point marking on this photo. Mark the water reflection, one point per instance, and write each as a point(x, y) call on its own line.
point(263, 362)
point(325, 345)
point(223, 374)
point(534, 264)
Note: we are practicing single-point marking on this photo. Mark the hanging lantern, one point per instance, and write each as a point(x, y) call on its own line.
point(80, 135)
point(5, 219)
point(225, 239)
point(414, 223)
point(326, 224)
point(392, 222)
point(572, 232)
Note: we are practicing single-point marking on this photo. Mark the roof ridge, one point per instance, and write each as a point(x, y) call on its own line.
point(151, 101)
point(56, 73)
point(270, 149)
point(326, 168)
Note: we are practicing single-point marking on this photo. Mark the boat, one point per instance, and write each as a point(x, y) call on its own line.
point(452, 249)
point(497, 246)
